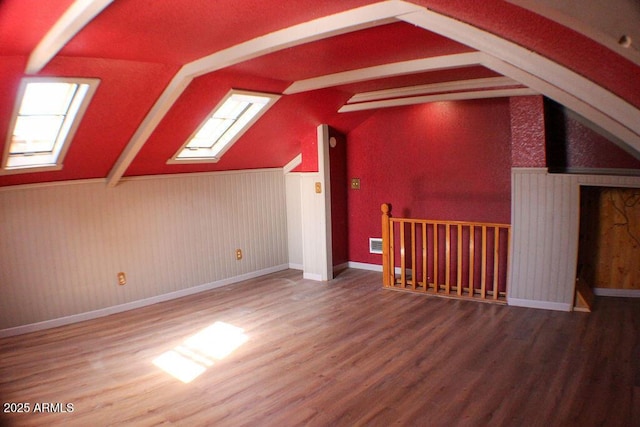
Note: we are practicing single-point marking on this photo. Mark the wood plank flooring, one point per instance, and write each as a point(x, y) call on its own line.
point(341, 353)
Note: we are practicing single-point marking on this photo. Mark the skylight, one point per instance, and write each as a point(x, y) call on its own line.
point(46, 117)
point(224, 126)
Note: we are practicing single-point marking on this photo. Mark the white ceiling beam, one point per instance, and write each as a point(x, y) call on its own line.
point(455, 96)
point(317, 29)
point(606, 109)
point(294, 163)
point(168, 97)
point(612, 23)
point(451, 86)
point(386, 70)
point(345, 22)
point(624, 137)
point(79, 14)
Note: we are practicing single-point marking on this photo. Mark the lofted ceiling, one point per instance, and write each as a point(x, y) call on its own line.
point(162, 69)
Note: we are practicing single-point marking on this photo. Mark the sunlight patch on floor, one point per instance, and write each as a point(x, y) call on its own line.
point(198, 352)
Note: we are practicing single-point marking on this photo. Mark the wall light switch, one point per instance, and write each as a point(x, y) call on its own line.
point(355, 183)
point(238, 254)
point(122, 279)
point(318, 187)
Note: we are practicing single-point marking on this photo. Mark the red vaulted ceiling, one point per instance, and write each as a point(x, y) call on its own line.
point(136, 47)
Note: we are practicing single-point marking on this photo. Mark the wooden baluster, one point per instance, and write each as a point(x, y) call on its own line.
point(472, 259)
point(403, 261)
point(447, 254)
point(435, 257)
point(459, 266)
point(386, 270)
point(414, 268)
point(392, 252)
point(483, 267)
point(425, 279)
point(496, 254)
point(507, 263)
point(415, 232)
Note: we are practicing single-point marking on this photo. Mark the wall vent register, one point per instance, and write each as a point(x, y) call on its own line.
point(375, 245)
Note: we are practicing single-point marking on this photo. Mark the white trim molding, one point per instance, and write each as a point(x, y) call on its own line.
point(365, 266)
point(597, 104)
point(81, 317)
point(545, 305)
point(613, 24)
point(293, 163)
point(453, 86)
point(317, 29)
point(569, 88)
point(79, 14)
point(386, 70)
point(455, 96)
point(131, 179)
point(376, 267)
point(620, 293)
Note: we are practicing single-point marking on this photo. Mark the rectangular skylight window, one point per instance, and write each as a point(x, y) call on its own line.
point(224, 126)
point(46, 116)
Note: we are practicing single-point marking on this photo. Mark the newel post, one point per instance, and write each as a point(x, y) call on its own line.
point(386, 278)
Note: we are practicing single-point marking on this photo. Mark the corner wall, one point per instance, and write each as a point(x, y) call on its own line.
point(545, 224)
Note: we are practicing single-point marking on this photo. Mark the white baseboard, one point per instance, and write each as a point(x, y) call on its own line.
point(312, 276)
point(376, 267)
point(81, 317)
point(625, 293)
point(296, 266)
point(364, 266)
point(545, 305)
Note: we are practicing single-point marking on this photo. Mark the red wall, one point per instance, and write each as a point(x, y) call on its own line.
point(528, 132)
point(544, 135)
point(588, 149)
point(448, 160)
point(339, 198)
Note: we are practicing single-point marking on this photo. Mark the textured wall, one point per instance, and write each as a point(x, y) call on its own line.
point(587, 149)
point(527, 131)
point(445, 160)
point(61, 246)
point(339, 197)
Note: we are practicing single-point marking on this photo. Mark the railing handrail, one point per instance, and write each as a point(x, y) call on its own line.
point(490, 245)
point(445, 222)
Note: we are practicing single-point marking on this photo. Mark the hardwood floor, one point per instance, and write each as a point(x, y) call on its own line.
point(340, 353)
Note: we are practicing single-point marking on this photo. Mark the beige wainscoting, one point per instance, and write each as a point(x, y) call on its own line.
point(545, 216)
point(62, 245)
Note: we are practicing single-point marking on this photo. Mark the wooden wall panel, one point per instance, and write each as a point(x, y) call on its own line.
point(61, 246)
point(610, 237)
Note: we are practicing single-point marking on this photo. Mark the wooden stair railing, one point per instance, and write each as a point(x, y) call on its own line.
point(458, 259)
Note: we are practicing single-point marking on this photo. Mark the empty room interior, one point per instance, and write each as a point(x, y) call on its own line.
point(345, 212)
